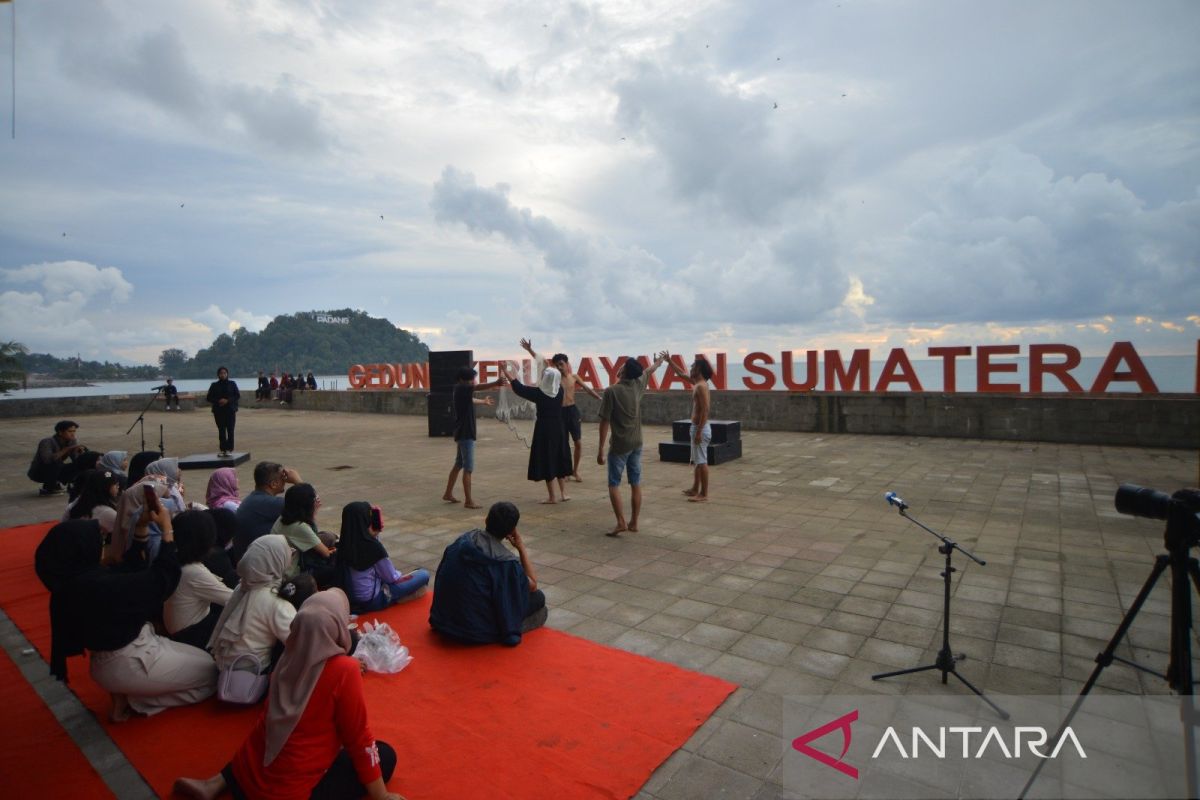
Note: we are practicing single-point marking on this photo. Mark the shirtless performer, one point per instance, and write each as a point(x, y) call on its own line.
point(701, 431)
point(571, 418)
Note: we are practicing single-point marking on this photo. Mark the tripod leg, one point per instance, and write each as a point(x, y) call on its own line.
point(1003, 714)
point(1104, 659)
point(910, 671)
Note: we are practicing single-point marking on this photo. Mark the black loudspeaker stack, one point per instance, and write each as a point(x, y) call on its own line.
point(443, 374)
point(726, 444)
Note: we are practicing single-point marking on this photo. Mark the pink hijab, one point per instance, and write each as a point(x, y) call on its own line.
point(319, 632)
point(222, 488)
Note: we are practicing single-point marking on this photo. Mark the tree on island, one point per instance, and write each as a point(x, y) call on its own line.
point(11, 372)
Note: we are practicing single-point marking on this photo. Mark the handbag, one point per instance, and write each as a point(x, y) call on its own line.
point(242, 682)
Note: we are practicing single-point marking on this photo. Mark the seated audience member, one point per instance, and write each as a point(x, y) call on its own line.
point(98, 500)
point(222, 489)
point(171, 394)
point(167, 469)
point(192, 610)
point(138, 464)
point(263, 392)
point(130, 506)
point(311, 381)
point(298, 524)
point(217, 559)
point(258, 510)
point(54, 464)
point(313, 740)
point(116, 462)
point(109, 613)
point(86, 463)
point(365, 571)
point(298, 589)
point(483, 591)
point(256, 618)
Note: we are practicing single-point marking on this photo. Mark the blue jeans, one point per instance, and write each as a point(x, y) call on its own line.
point(464, 457)
point(618, 463)
point(392, 593)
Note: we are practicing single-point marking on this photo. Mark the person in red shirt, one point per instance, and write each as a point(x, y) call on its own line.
point(313, 740)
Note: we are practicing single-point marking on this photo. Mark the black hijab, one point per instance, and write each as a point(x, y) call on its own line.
point(65, 559)
point(357, 547)
point(137, 466)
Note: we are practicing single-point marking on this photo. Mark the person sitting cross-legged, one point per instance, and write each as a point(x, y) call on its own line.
point(364, 570)
point(484, 592)
point(313, 739)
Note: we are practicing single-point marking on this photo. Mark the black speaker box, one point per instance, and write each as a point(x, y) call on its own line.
point(444, 366)
point(440, 412)
point(723, 430)
point(680, 452)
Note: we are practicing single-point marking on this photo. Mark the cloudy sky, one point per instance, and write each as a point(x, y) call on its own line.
point(603, 177)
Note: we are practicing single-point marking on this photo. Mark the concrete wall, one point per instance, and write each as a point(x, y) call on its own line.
point(1167, 420)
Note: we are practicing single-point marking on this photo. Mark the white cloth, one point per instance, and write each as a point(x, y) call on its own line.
point(189, 603)
point(155, 673)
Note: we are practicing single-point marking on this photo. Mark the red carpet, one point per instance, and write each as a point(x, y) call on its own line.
point(556, 717)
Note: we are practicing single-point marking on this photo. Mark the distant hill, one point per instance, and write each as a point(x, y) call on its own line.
point(324, 342)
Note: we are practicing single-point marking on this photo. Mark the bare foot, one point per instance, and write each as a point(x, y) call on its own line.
point(471, 504)
point(549, 502)
point(565, 498)
point(698, 499)
point(633, 527)
point(690, 492)
point(617, 531)
point(449, 498)
point(120, 709)
point(198, 789)
point(576, 478)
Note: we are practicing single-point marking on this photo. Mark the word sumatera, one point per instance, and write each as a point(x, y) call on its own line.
point(828, 371)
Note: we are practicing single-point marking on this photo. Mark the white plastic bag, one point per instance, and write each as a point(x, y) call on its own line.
point(379, 649)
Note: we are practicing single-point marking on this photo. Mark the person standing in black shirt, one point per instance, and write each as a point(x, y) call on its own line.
point(464, 433)
point(223, 395)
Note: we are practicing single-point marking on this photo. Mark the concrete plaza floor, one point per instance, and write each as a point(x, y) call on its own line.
point(796, 579)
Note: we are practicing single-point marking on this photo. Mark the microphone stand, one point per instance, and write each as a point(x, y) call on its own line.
point(946, 660)
point(141, 420)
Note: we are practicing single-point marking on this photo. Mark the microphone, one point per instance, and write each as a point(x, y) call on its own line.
point(895, 500)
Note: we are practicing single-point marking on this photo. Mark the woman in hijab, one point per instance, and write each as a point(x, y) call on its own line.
point(138, 464)
point(85, 462)
point(256, 618)
point(314, 739)
point(549, 454)
point(367, 574)
point(167, 469)
point(116, 462)
point(98, 500)
point(223, 396)
point(108, 613)
point(222, 489)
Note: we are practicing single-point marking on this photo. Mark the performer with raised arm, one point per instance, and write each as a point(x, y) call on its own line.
point(549, 457)
point(621, 412)
point(700, 434)
point(572, 422)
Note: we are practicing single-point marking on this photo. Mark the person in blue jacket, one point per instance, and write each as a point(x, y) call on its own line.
point(484, 592)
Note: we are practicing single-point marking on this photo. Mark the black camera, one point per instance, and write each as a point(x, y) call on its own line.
point(1181, 511)
point(1138, 501)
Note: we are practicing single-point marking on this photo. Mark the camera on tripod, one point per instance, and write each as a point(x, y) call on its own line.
point(1181, 508)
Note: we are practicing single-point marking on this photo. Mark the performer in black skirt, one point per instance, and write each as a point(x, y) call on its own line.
point(223, 395)
point(549, 454)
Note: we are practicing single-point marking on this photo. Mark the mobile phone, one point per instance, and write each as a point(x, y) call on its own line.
point(377, 518)
point(151, 498)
